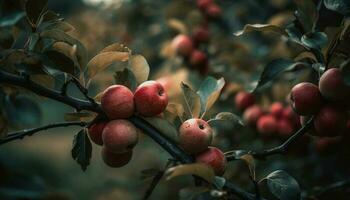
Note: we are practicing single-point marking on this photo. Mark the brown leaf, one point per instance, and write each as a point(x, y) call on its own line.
point(139, 66)
point(198, 169)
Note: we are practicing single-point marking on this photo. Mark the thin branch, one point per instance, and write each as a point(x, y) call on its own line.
point(344, 184)
point(29, 132)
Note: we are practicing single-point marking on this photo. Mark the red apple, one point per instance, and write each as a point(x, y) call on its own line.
point(285, 127)
point(195, 135)
point(95, 132)
point(119, 136)
point(330, 121)
point(306, 98)
point(332, 85)
point(276, 109)
point(183, 44)
point(213, 11)
point(198, 58)
point(117, 102)
point(252, 114)
point(204, 4)
point(267, 124)
point(243, 100)
point(115, 160)
point(214, 158)
point(200, 35)
point(150, 98)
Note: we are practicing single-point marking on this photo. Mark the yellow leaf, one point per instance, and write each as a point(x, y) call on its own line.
point(198, 169)
point(139, 66)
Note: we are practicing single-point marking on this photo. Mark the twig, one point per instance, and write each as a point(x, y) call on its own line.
point(333, 187)
point(29, 132)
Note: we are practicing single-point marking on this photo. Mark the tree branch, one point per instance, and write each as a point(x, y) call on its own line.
point(332, 187)
point(29, 132)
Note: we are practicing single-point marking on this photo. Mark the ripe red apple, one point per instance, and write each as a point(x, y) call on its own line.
point(289, 113)
point(95, 132)
point(243, 100)
point(306, 98)
point(115, 160)
point(252, 114)
point(276, 109)
point(119, 136)
point(198, 58)
point(213, 11)
point(183, 44)
point(285, 127)
point(330, 121)
point(267, 124)
point(327, 144)
point(195, 135)
point(200, 35)
point(117, 102)
point(214, 158)
point(150, 98)
point(332, 85)
point(204, 4)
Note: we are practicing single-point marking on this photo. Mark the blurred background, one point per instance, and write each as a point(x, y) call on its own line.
point(41, 167)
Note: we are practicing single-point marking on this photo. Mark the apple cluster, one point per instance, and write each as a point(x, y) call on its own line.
point(195, 136)
point(278, 119)
point(117, 135)
point(209, 8)
point(329, 102)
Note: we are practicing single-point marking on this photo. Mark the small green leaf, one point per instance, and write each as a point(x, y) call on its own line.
point(340, 6)
point(273, 69)
point(82, 149)
point(12, 19)
point(125, 77)
point(227, 116)
point(209, 91)
point(198, 169)
point(261, 27)
point(314, 40)
point(139, 66)
point(192, 101)
point(283, 186)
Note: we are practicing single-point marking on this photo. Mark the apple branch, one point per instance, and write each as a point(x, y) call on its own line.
point(29, 132)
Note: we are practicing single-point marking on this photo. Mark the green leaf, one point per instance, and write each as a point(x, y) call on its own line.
point(125, 77)
point(102, 60)
point(12, 19)
point(340, 6)
point(61, 36)
point(209, 92)
point(273, 69)
point(164, 127)
point(263, 28)
point(192, 101)
point(198, 169)
point(21, 111)
point(61, 62)
point(283, 186)
point(306, 14)
point(227, 116)
point(82, 149)
point(139, 66)
point(219, 182)
point(314, 40)
point(35, 9)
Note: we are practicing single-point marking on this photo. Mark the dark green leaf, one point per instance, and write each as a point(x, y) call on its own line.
point(22, 111)
point(192, 102)
point(219, 182)
point(209, 92)
point(314, 40)
point(283, 186)
point(125, 77)
point(12, 19)
point(33, 40)
point(35, 9)
point(341, 6)
point(306, 13)
point(82, 149)
point(273, 69)
point(62, 62)
point(227, 116)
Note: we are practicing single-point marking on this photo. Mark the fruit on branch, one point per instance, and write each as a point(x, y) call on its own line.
point(182, 44)
point(267, 124)
point(213, 11)
point(327, 144)
point(117, 102)
point(150, 98)
point(214, 158)
point(198, 58)
point(195, 135)
point(332, 85)
point(285, 127)
point(252, 114)
point(204, 4)
point(200, 35)
point(276, 109)
point(115, 160)
point(330, 121)
point(243, 100)
point(95, 132)
point(306, 98)
point(119, 136)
